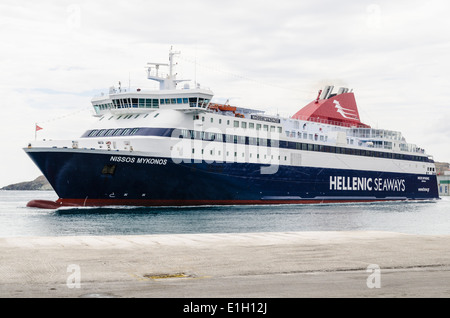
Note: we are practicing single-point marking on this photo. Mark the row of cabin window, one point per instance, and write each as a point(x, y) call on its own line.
point(113, 132)
point(130, 116)
point(219, 153)
point(244, 124)
point(208, 136)
point(315, 137)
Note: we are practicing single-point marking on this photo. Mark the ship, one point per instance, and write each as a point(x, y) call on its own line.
point(174, 146)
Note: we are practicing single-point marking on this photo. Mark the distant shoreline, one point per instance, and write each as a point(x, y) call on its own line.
point(39, 184)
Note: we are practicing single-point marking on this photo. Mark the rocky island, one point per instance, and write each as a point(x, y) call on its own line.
point(40, 183)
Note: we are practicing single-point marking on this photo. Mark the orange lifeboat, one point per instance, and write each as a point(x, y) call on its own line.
point(221, 107)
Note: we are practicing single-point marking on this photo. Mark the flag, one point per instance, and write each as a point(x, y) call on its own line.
point(37, 128)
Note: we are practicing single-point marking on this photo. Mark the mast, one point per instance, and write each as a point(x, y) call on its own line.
point(171, 54)
point(165, 82)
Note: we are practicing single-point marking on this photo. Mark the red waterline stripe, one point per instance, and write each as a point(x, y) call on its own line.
point(43, 204)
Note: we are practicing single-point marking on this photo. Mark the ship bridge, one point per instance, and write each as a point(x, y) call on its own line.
point(136, 100)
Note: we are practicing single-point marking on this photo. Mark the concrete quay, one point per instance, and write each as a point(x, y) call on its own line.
point(247, 265)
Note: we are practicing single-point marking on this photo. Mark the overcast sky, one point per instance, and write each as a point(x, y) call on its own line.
point(271, 55)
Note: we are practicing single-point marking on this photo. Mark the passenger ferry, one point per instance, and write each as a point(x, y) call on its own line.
point(174, 147)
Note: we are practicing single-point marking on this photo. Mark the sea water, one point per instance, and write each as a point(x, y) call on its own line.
point(411, 217)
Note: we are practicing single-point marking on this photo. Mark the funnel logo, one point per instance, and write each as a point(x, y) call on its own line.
point(345, 112)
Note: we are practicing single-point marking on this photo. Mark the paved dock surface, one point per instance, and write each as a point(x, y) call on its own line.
point(254, 265)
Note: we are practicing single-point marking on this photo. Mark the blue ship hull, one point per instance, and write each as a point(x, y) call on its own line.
point(82, 178)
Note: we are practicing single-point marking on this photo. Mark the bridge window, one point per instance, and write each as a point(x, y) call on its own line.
point(202, 102)
point(147, 103)
point(193, 101)
point(126, 102)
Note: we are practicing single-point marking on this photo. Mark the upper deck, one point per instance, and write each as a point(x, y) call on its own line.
point(331, 119)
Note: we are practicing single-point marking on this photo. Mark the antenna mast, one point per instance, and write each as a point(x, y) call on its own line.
point(171, 54)
point(168, 82)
